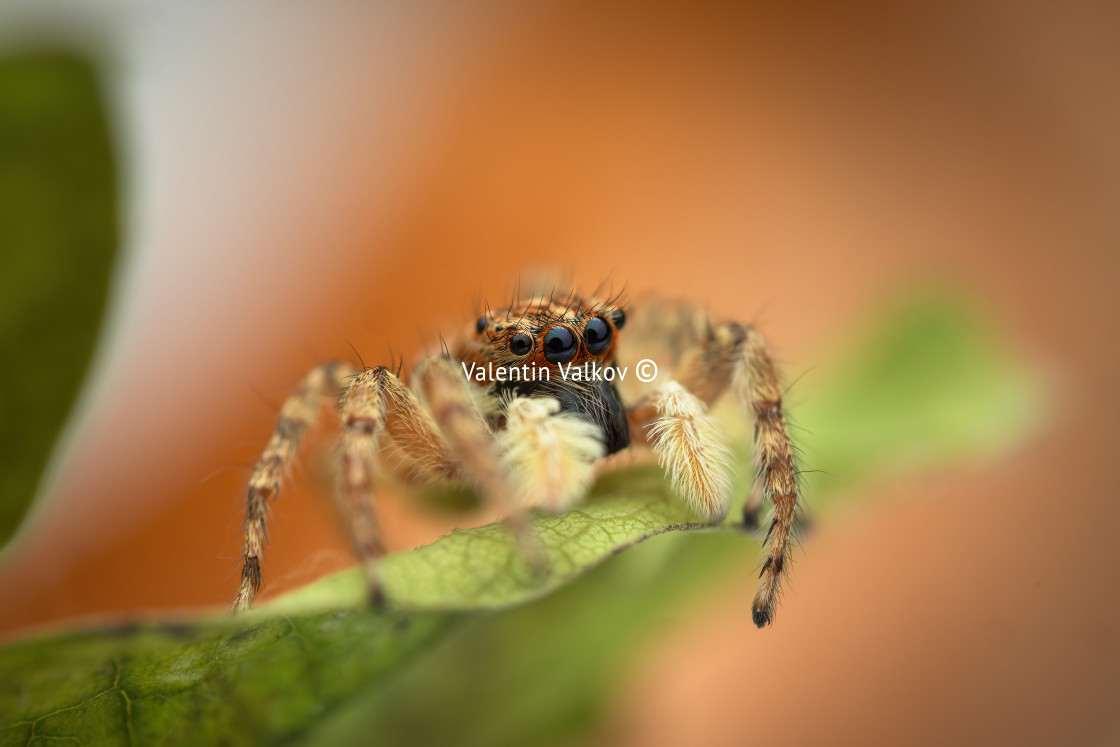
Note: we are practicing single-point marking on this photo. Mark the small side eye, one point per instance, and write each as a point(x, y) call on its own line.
point(597, 335)
point(559, 344)
point(481, 325)
point(618, 316)
point(521, 344)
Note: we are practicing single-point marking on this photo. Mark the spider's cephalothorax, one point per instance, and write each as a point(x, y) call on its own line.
point(525, 404)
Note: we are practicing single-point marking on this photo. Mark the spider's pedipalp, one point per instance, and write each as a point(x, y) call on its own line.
point(689, 446)
point(549, 455)
point(296, 415)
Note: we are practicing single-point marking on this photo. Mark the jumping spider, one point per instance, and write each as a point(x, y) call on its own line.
point(533, 441)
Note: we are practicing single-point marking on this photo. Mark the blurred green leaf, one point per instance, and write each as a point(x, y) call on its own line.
point(929, 383)
point(58, 237)
point(472, 654)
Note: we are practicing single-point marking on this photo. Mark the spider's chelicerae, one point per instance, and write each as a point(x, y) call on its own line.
point(502, 409)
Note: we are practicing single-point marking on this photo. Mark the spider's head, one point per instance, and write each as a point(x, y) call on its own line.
point(542, 332)
point(557, 337)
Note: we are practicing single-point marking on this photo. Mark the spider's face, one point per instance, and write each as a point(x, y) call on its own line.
point(540, 332)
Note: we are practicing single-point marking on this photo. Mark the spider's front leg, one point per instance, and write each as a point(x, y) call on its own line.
point(296, 414)
point(460, 421)
point(511, 476)
point(541, 458)
point(735, 356)
point(379, 415)
point(447, 440)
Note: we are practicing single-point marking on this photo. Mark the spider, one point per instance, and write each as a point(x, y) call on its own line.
point(502, 409)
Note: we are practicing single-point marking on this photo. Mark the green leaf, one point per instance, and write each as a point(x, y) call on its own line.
point(479, 649)
point(930, 383)
point(58, 236)
point(484, 568)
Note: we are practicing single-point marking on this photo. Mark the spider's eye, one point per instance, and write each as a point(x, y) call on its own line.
point(559, 344)
point(482, 323)
point(618, 316)
point(521, 344)
point(597, 335)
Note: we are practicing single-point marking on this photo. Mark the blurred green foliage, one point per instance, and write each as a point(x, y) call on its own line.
point(58, 238)
point(477, 650)
point(930, 383)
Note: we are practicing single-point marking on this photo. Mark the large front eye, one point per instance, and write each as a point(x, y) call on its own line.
point(521, 344)
point(597, 335)
point(559, 344)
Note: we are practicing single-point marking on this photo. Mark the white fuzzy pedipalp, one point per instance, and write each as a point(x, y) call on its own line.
point(548, 455)
point(690, 449)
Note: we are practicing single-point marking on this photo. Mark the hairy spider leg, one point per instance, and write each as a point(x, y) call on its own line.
point(296, 414)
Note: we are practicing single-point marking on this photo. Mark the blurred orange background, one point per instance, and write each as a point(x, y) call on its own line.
point(298, 183)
